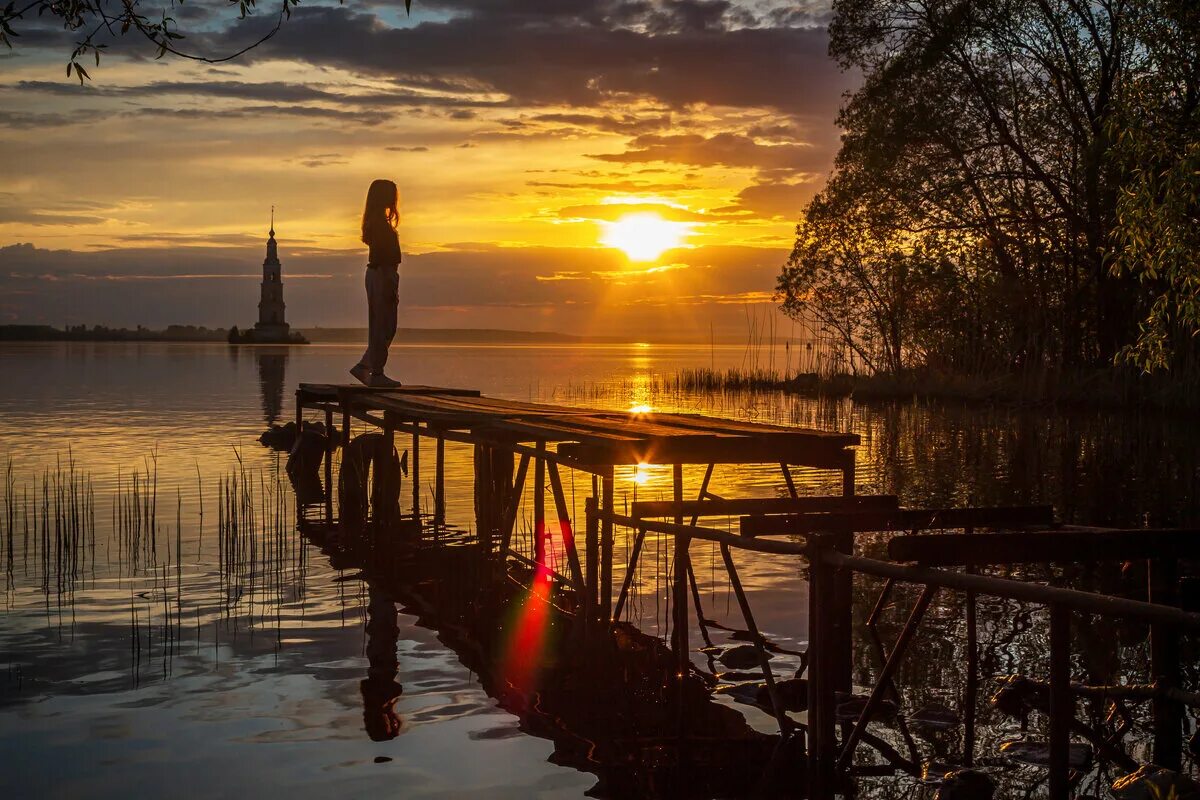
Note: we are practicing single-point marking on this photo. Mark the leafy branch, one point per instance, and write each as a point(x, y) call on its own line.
point(92, 18)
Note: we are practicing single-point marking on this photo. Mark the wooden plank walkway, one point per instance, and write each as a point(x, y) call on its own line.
point(591, 436)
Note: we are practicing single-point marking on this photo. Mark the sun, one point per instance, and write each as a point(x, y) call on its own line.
point(643, 236)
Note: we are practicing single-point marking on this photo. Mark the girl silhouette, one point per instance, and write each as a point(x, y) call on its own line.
point(380, 216)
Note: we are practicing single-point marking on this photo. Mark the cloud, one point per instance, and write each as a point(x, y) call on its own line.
point(545, 52)
point(720, 150)
point(610, 212)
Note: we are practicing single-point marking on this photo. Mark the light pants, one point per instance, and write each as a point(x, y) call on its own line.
point(383, 295)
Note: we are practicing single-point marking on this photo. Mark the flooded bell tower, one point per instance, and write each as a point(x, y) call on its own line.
point(271, 319)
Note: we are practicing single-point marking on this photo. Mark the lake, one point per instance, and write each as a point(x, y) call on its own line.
point(148, 649)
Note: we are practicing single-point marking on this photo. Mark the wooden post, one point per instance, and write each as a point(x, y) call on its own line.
point(514, 500)
point(591, 548)
point(539, 506)
point(971, 689)
point(841, 601)
point(1062, 702)
point(485, 503)
point(1163, 582)
point(822, 746)
point(787, 477)
point(680, 595)
point(564, 524)
point(329, 448)
point(415, 468)
point(439, 483)
point(345, 427)
point(606, 546)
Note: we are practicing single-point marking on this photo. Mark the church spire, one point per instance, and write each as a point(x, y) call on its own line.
point(272, 231)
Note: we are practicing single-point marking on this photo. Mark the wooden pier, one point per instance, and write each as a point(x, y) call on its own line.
point(511, 437)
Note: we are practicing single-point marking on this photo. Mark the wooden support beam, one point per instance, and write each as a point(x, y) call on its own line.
point(1071, 546)
point(787, 477)
point(1165, 655)
point(680, 596)
point(329, 449)
point(764, 662)
point(439, 483)
point(897, 520)
point(564, 524)
point(606, 545)
point(539, 507)
point(763, 505)
point(885, 676)
point(591, 514)
point(514, 500)
point(801, 451)
point(630, 569)
point(822, 744)
point(414, 465)
point(1062, 703)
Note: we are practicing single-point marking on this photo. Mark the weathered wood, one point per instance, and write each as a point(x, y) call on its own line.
point(439, 483)
point(539, 508)
point(564, 524)
point(414, 465)
point(1062, 702)
point(1071, 546)
point(764, 505)
point(591, 513)
point(514, 501)
point(885, 676)
point(330, 447)
point(897, 520)
point(1165, 654)
point(606, 546)
point(762, 449)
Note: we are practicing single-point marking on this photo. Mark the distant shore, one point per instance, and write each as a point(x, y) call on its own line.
point(200, 333)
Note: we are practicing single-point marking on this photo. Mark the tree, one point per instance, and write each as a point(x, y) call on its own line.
point(97, 24)
point(985, 133)
point(1156, 239)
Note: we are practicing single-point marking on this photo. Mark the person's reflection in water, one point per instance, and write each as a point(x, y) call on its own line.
point(380, 690)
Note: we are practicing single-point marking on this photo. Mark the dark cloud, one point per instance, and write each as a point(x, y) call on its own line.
point(576, 54)
point(721, 150)
point(773, 200)
point(630, 124)
point(270, 92)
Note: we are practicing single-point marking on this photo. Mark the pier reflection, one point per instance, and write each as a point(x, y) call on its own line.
point(611, 704)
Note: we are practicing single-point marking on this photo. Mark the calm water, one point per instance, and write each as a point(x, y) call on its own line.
point(146, 650)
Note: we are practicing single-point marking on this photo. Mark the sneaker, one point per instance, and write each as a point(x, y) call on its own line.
point(361, 373)
point(381, 381)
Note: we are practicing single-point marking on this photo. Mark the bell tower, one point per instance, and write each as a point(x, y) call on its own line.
point(271, 319)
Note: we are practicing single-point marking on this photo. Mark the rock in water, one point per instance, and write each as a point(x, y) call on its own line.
point(850, 708)
point(1150, 782)
point(793, 694)
point(741, 657)
point(934, 717)
point(966, 784)
point(1037, 753)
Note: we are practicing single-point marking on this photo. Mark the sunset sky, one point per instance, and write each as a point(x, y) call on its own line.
point(546, 150)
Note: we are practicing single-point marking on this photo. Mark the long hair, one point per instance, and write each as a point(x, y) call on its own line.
point(380, 212)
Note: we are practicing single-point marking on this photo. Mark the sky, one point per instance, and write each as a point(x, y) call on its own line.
point(599, 167)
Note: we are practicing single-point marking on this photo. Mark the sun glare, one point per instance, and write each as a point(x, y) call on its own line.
point(643, 236)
